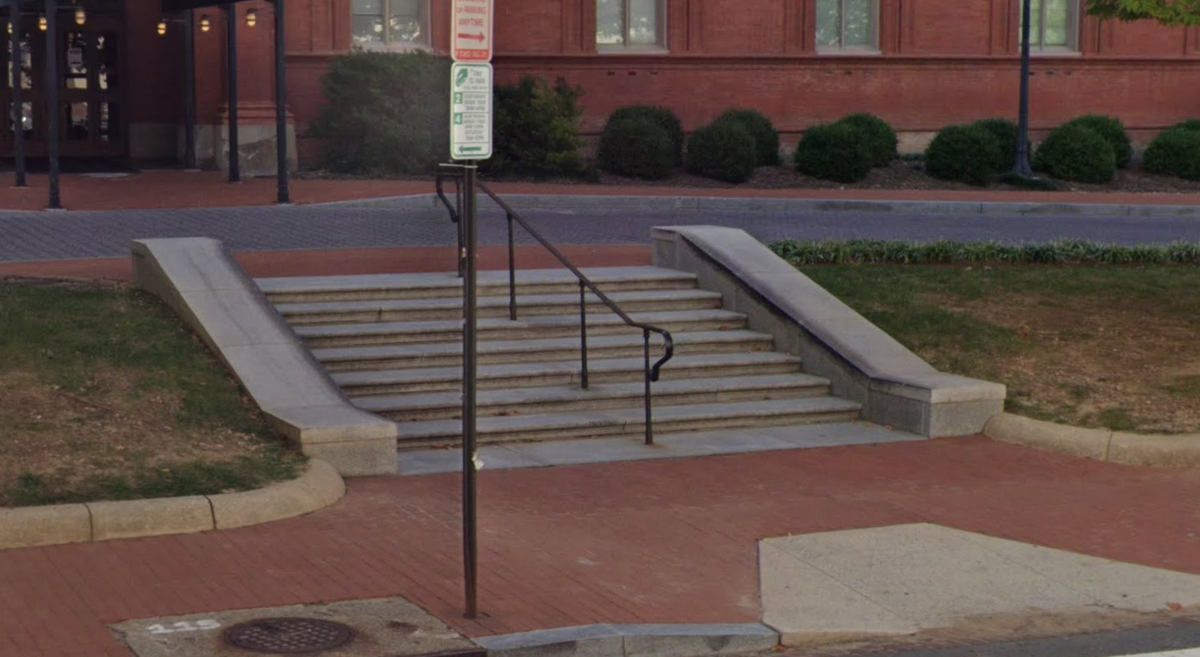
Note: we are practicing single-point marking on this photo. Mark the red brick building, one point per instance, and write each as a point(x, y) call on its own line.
point(920, 64)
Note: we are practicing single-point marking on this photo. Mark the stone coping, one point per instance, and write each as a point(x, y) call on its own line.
point(319, 487)
point(1162, 450)
point(199, 279)
point(634, 641)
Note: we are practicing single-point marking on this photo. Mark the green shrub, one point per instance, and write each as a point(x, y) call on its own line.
point(1005, 132)
point(723, 150)
point(536, 129)
point(836, 151)
point(636, 146)
point(1113, 131)
point(1175, 152)
point(1076, 153)
point(880, 137)
point(766, 138)
point(660, 115)
point(1190, 124)
point(967, 153)
point(385, 113)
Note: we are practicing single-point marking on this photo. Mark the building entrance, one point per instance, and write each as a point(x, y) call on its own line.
point(91, 87)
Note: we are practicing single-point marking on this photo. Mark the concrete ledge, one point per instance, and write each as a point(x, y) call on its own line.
point(203, 284)
point(320, 486)
point(864, 364)
point(45, 525)
point(1098, 444)
point(634, 641)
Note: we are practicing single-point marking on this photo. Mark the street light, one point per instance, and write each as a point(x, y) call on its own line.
point(251, 18)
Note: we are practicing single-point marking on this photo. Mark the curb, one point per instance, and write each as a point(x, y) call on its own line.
point(571, 202)
point(1161, 450)
point(319, 487)
point(634, 641)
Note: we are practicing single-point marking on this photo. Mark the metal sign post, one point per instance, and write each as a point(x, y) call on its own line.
point(470, 139)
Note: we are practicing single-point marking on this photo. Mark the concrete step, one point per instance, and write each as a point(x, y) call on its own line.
point(440, 285)
point(412, 310)
point(320, 336)
point(603, 370)
point(559, 399)
point(444, 354)
point(631, 421)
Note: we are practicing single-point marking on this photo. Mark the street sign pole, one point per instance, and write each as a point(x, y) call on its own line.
point(470, 139)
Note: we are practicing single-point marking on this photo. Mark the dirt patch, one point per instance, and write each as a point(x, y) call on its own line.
point(1089, 362)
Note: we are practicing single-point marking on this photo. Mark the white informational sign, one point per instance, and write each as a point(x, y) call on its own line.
point(471, 25)
point(470, 111)
point(75, 57)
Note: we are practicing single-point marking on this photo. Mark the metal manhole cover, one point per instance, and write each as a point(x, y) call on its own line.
point(289, 636)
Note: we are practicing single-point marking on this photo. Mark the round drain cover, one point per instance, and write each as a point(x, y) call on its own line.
point(289, 636)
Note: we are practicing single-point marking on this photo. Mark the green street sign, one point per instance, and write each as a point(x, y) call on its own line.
point(471, 111)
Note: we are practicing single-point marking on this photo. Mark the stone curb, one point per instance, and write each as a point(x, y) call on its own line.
point(1162, 450)
point(319, 487)
point(634, 641)
point(736, 204)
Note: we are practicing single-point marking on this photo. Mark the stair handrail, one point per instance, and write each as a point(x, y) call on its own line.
point(651, 372)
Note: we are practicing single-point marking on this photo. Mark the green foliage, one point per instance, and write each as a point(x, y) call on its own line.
point(766, 138)
point(1190, 124)
point(1175, 152)
point(1005, 132)
point(1113, 131)
point(723, 150)
point(946, 252)
point(385, 113)
point(636, 146)
point(1167, 12)
point(664, 117)
point(967, 153)
point(1076, 153)
point(536, 129)
point(836, 151)
point(880, 137)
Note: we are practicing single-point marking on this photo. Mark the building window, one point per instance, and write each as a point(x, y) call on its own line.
point(1053, 24)
point(390, 23)
point(631, 24)
point(848, 25)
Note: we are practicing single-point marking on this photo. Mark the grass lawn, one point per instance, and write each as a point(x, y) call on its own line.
point(105, 395)
point(1094, 346)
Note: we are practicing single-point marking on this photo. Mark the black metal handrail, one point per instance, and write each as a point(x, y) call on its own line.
point(651, 372)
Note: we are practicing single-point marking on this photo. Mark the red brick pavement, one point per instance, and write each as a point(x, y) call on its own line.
point(179, 189)
point(644, 542)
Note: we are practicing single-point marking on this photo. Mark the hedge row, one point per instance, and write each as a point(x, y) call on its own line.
point(945, 252)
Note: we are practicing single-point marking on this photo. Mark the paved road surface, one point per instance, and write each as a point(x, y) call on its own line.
point(56, 236)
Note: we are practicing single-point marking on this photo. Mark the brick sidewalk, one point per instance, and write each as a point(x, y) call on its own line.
point(642, 542)
point(179, 189)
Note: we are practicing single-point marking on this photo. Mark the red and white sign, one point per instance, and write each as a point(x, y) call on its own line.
point(472, 31)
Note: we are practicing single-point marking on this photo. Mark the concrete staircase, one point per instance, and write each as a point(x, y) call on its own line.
point(393, 343)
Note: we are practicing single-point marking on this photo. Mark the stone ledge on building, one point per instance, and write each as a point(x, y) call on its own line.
point(320, 486)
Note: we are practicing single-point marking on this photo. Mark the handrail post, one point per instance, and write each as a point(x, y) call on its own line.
point(649, 420)
point(462, 249)
point(583, 332)
point(512, 272)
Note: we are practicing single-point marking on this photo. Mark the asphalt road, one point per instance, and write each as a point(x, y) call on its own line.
point(26, 236)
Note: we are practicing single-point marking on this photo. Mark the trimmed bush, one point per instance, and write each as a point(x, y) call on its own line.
point(836, 151)
point(766, 138)
point(1191, 124)
point(880, 137)
point(723, 150)
point(660, 115)
point(1005, 132)
point(636, 146)
point(967, 153)
point(1175, 152)
point(1076, 153)
point(385, 113)
point(536, 129)
point(1113, 131)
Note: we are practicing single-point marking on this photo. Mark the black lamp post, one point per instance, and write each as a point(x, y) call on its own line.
point(55, 112)
point(1021, 166)
point(17, 86)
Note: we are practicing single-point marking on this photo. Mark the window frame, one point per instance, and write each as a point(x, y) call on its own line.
point(842, 49)
point(1074, 27)
point(660, 40)
point(423, 11)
